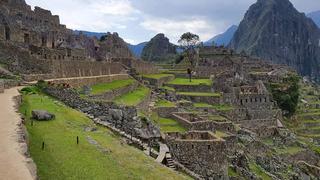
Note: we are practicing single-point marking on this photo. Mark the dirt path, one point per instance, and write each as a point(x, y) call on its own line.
point(13, 165)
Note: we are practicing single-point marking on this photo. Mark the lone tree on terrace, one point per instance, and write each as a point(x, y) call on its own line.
point(188, 43)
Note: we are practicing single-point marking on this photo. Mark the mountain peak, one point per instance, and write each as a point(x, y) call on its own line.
point(274, 30)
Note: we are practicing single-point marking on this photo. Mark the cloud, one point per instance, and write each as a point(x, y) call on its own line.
point(113, 7)
point(174, 28)
point(140, 20)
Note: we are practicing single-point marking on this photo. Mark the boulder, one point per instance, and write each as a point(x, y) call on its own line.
point(42, 115)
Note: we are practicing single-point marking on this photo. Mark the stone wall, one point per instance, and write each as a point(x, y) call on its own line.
point(166, 112)
point(201, 99)
point(1, 86)
point(140, 66)
point(158, 82)
point(111, 95)
point(191, 88)
point(200, 123)
point(85, 68)
point(144, 104)
point(123, 118)
point(200, 152)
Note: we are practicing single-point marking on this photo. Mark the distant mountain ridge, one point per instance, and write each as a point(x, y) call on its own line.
point(315, 16)
point(224, 38)
point(137, 49)
point(275, 31)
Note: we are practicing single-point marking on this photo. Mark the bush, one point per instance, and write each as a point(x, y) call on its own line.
point(287, 94)
point(41, 84)
point(30, 90)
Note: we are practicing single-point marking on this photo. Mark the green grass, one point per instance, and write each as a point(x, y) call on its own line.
point(291, 150)
point(232, 173)
point(195, 82)
point(157, 76)
point(221, 134)
point(106, 87)
point(216, 118)
point(63, 159)
point(165, 103)
point(258, 171)
point(167, 125)
point(204, 94)
point(168, 88)
point(133, 98)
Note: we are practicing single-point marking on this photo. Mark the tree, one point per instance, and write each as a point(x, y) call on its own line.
point(188, 43)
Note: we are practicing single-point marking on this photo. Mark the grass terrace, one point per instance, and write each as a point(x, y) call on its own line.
point(164, 103)
point(133, 98)
point(194, 82)
point(100, 154)
point(167, 125)
point(105, 87)
point(204, 94)
point(158, 76)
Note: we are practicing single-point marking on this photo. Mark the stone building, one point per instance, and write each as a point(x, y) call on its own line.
point(34, 42)
point(200, 151)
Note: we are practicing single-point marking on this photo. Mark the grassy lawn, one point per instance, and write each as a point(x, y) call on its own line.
point(133, 98)
point(105, 87)
point(63, 159)
point(204, 94)
point(165, 103)
point(157, 76)
point(195, 82)
point(168, 125)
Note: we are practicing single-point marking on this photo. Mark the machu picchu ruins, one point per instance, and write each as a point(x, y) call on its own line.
point(194, 111)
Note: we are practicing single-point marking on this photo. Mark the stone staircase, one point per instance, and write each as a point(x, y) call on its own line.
point(170, 162)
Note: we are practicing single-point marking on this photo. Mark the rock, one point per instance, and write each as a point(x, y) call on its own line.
point(146, 129)
point(86, 90)
point(116, 114)
point(42, 115)
point(158, 49)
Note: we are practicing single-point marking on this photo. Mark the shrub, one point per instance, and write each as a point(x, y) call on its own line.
point(287, 94)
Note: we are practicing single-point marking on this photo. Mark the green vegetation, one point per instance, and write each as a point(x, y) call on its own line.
point(62, 158)
point(105, 87)
point(221, 134)
point(167, 125)
point(259, 171)
point(194, 82)
point(157, 76)
point(232, 173)
point(289, 150)
point(205, 94)
point(165, 103)
point(168, 88)
point(287, 94)
point(216, 118)
point(133, 98)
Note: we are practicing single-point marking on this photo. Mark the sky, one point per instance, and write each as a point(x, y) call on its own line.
point(139, 20)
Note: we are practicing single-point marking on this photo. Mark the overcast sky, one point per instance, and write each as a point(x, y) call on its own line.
point(139, 20)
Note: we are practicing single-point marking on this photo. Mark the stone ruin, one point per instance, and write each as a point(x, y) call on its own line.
point(200, 151)
point(34, 43)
